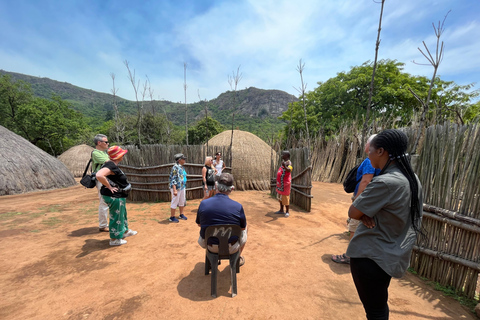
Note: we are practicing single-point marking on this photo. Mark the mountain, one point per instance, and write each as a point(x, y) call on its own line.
point(254, 106)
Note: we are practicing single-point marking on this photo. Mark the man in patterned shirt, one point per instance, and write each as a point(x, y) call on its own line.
point(178, 181)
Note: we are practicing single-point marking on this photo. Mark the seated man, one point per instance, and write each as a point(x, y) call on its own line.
point(220, 209)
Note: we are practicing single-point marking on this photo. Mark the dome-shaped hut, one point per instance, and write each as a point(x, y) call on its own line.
point(25, 167)
point(251, 159)
point(76, 158)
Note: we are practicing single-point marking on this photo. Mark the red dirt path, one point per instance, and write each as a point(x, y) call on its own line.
point(56, 265)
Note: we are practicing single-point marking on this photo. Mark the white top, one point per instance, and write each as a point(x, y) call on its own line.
point(218, 166)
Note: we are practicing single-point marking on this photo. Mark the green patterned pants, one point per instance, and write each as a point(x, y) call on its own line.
point(118, 216)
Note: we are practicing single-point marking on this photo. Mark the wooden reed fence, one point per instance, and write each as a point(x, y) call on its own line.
point(448, 166)
point(148, 170)
point(301, 186)
point(449, 170)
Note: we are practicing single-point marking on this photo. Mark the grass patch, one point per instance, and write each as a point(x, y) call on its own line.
point(10, 215)
point(52, 221)
point(450, 292)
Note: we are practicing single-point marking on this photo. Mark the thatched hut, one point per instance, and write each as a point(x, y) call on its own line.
point(76, 158)
point(251, 159)
point(25, 167)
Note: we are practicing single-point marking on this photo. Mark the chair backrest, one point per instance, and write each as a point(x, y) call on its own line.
point(223, 232)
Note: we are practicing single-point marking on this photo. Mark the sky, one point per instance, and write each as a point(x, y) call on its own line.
point(85, 42)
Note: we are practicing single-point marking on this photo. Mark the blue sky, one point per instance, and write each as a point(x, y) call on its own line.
point(83, 42)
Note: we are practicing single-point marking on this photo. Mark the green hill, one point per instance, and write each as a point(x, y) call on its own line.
point(257, 110)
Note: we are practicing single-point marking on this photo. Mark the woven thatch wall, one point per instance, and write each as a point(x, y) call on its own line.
point(25, 168)
point(250, 159)
point(76, 158)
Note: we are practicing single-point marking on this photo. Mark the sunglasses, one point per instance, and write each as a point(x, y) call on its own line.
point(106, 142)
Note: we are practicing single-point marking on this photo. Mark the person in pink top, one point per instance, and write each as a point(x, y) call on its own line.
point(284, 180)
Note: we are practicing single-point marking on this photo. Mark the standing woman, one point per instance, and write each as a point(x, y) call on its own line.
point(218, 164)
point(208, 176)
point(114, 183)
point(390, 209)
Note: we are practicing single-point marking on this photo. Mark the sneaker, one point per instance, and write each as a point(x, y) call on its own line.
point(287, 215)
point(183, 217)
point(117, 242)
point(173, 219)
point(129, 233)
point(279, 212)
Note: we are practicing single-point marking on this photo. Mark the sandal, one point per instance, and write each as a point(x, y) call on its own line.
point(341, 258)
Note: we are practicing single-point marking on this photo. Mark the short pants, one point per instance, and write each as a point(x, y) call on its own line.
point(285, 200)
point(232, 248)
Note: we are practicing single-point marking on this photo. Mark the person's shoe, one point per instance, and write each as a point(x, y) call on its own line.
point(241, 261)
point(173, 219)
point(117, 242)
point(129, 233)
point(341, 258)
point(287, 214)
point(103, 229)
point(279, 212)
point(183, 217)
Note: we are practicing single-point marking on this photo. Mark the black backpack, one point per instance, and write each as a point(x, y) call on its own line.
point(351, 181)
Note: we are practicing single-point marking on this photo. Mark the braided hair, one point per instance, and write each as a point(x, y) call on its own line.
point(395, 142)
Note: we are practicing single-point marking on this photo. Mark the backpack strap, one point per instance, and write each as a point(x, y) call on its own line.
point(88, 164)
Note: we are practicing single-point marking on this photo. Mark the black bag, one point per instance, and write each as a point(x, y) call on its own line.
point(88, 180)
point(351, 181)
point(210, 177)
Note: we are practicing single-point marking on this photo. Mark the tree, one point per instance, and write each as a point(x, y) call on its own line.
point(372, 83)
point(50, 124)
point(435, 62)
point(344, 98)
point(198, 132)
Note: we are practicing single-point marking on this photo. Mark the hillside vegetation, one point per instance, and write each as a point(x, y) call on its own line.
point(257, 110)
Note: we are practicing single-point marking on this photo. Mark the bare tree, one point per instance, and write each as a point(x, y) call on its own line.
point(302, 89)
point(136, 86)
point(150, 94)
point(233, 82)
point(435, 62)
point(119, 127)
point(185, 90)
point(206, 115)
point(372, 83)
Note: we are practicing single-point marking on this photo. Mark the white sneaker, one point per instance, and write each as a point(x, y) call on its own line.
point(129, 233)
point(117, 242)
point(287, 215)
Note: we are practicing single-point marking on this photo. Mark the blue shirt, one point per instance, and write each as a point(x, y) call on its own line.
point(365, 168)
point(220, 209)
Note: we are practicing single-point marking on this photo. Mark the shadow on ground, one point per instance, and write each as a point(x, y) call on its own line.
point(196, 286)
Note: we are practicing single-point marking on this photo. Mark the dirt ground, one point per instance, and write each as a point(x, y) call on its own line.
point(56, 265)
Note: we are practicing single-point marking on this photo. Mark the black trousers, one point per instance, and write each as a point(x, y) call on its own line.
point(372, 287)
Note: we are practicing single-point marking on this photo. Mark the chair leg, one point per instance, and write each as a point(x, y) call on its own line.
point(207, 265)
point(234, 262)
point(214, 264)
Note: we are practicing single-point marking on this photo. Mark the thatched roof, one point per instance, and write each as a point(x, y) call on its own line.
point(251, 159)
point(76, 158)
point(25, 167)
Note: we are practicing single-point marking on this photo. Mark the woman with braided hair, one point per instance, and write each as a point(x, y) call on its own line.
point(390, 209)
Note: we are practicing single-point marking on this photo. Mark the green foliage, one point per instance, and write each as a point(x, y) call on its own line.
point(344, 98)
point(47, 123)
point(204, 130)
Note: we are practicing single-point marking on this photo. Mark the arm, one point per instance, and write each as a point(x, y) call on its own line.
point(102, 177)
point(204, 177)
point(366, 178)
point(354, 213)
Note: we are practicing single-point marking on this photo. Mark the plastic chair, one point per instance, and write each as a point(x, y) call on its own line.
point(223, 233)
